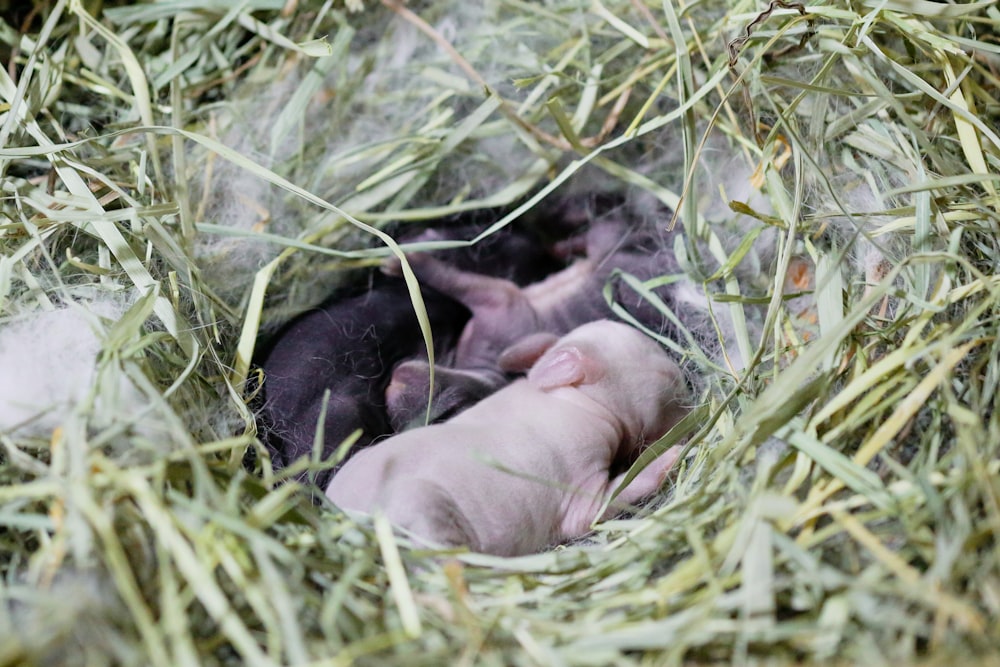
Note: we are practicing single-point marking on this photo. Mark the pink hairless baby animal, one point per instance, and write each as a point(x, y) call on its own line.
point(530, 465)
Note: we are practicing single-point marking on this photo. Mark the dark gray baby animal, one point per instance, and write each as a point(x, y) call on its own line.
point(350, 344)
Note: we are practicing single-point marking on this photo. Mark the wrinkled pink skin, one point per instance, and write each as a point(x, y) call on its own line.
point(530, 465)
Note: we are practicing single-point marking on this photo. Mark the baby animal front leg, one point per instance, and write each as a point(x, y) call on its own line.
point(646, 483)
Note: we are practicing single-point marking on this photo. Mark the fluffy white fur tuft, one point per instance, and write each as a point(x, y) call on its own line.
point(48, 366)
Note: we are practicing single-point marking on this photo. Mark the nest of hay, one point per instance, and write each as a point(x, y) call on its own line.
point(179, 177)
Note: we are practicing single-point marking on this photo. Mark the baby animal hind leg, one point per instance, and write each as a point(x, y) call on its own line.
point(455, 390)
point(475, 291)
point(431, 515)
point(501, 311)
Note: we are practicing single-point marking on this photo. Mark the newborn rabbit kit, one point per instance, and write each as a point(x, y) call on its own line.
point(532, 464)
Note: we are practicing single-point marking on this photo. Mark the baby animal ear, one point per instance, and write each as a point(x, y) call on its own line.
point(523, 354)
point(565, 367)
